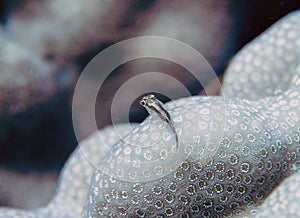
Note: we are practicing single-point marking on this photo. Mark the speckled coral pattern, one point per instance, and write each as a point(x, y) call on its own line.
point(256, 151)
point(253, 145)
point(283, 202)
point(75, 177)
point(78, 172)
point(234, 150)
point(264, 66)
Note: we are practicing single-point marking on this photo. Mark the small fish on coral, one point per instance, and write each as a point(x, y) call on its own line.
point(234, 150)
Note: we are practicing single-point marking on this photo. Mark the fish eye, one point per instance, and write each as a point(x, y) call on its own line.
point(143, 103)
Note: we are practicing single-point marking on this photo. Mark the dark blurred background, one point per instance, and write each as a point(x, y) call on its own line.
point(36, 136)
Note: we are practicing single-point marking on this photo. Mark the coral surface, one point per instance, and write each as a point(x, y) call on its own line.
point(234, 149)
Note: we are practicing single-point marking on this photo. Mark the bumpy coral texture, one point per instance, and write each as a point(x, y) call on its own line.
point(283, 202)
point(75, 177)
point(233, 152)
